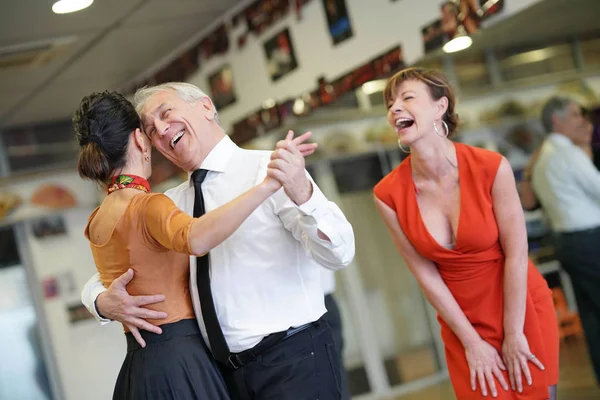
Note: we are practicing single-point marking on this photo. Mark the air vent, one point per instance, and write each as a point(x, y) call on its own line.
point(33, 54)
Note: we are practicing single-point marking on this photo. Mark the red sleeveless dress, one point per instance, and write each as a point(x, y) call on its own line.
point(474, 272)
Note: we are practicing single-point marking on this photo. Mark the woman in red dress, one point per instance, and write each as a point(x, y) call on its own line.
point(454, 214)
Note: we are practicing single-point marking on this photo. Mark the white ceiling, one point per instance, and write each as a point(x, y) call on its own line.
point(116, 41)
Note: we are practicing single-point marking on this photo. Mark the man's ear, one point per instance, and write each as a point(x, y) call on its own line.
point(207, 107)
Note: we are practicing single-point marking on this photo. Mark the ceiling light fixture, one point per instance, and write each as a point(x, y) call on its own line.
point(459, 42)
point(373, 87)
point(69, 6)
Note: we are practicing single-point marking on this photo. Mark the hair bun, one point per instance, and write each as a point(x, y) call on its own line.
point(82, 131)
point(86, 130)
point(103, 126)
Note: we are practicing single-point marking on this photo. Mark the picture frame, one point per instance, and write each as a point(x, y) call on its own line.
point(221, 87)
point(338, 20)
point(48, 226)
point(280, 55)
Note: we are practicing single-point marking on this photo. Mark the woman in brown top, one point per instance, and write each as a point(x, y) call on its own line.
point(134, 228)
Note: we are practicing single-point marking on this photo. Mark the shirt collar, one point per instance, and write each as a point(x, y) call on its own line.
point(560, 139)
point(218, 158)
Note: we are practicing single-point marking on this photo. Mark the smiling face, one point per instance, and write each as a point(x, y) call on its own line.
point(413, 111)
point(183, 132)
point(416, 99)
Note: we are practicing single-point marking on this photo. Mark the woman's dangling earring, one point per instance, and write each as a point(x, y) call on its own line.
point(146, 158)
point(402, 147)
point(438, 132)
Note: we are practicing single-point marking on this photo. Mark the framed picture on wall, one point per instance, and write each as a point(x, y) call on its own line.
point(221, 87)
point(281, 58)
point(52, 225)
point(433, 36)
point(77, 312)
point(338, 21)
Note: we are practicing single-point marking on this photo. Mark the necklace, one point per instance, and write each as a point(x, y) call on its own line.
point(125, 181)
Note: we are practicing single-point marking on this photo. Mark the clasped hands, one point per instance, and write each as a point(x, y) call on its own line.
point(287, 166)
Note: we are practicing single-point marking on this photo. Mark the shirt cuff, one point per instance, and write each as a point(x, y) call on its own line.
point(92, 308)
point(315, 209)
point(316, 202)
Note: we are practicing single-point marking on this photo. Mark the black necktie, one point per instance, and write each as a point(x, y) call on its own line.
point(217, 341)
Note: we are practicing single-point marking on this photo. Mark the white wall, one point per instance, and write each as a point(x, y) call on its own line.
point(378, 26)
point(88, 356)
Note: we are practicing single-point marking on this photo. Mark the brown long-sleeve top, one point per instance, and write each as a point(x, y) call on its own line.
point(152, 238)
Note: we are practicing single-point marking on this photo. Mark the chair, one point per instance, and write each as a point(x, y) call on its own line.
point(569, 323)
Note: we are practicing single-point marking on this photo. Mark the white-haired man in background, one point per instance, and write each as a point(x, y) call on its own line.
point(567, 185)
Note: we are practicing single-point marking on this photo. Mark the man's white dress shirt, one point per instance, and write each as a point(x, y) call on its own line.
point(327, 281)
point(266, 277)
point(567, 185)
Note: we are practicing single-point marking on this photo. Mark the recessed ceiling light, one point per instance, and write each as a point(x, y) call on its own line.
point(461, 41)
point(69, 6)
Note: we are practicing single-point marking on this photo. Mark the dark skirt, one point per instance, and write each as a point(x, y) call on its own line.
point(174, 365)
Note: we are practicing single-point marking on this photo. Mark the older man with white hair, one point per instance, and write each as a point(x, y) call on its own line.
point(258, 296)
point(567, 185)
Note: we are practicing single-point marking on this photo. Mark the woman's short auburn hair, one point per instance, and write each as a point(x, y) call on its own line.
point(438, 87)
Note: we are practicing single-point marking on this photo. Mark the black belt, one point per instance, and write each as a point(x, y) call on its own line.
point(237, 360)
